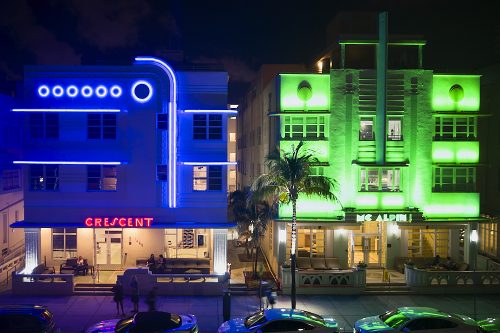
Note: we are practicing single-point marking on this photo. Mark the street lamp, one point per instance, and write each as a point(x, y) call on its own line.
point(473, 238)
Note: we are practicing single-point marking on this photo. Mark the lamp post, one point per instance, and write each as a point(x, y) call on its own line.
point(473, 238)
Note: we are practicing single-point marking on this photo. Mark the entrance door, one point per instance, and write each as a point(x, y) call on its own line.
point(109, 248)
point(366, 246)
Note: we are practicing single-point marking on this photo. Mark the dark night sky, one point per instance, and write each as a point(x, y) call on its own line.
point(241, 35)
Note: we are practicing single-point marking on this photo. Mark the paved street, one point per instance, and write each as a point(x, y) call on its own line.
point(74, 314)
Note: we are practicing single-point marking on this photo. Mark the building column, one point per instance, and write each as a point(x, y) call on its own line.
point(471, 245)
point(220, 250)
point(281, 254)
point(340, 246)
point(32, 245)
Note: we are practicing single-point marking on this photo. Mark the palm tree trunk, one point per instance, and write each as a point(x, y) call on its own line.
point(292, 254)
point(256, 260)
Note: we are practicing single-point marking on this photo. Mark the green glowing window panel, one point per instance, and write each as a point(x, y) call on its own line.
point(395, 129)
point(292, 98)
point(454, 179)
point(441, 205)
point(312, 207)
point(319, 149)
point(366, 125)
point(455, 92)
point(303, 127)
point(452, 128)
point(317, 171)
point(455, 152)
point(374, 179)
point(380, 200)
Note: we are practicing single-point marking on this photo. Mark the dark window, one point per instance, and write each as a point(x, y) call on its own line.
point(10, 179)
point(44, 177)
point(207, 178)
point(454, 179)
point(44, 125)
point(207, 127)
point(101, 126)
point(162, 121)
point(161, 172)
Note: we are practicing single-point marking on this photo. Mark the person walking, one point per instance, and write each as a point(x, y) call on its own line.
point(151, 299)
point(118, 297)
point(135, 294)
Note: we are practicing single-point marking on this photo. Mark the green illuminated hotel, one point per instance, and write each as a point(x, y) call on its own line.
point(402, 144)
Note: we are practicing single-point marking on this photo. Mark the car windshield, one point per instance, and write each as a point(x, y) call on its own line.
point(394, 318)
point(256, 318)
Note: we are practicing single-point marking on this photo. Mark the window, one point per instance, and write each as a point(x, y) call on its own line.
point(310, 242)
point(232, 157)
point(366, 129)
point(101, 178)
point(488, 238)
point(44, 125)
point(5, 227)
point(63, 243)
point(380, 179)
point(207, 127)
point(44, 177)
point(449, 128)
point(161, 172)
point(394, 130)
point(207, 178)
point(317, 171)
point(232, 137)
point(101, 126)
point(162, 121)
point(454, 179)
point(10, 180)
point(300, 127)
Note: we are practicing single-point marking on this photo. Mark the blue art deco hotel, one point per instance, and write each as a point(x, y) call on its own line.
point(123, 161)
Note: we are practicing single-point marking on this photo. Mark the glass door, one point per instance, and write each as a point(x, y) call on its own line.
point(109, 248)
point(366, 244)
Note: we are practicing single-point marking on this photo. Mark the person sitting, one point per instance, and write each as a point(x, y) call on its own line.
point(81, 266)
point(161, 264)
point(436, 261)
point(152, 263)
point(449, 264)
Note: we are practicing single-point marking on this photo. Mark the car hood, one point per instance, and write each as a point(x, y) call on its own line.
point(372, 324)
point(233, 325)
point(103, 326)
point(188, 322)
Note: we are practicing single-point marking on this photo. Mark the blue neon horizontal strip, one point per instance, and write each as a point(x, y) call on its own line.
point(66, 110)
point(212, 111)
point(209, 163)
point(154, 225)
point(68, 162)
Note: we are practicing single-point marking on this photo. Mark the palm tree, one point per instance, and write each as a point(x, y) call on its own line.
point(290, 174)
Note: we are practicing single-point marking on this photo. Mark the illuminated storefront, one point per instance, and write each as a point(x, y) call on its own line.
point(121, 162)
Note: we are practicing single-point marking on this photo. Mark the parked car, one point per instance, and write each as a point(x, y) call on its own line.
point(421, 319)
point(153, 321)
point(26, 319)
point(280, 320)
point(490, 325)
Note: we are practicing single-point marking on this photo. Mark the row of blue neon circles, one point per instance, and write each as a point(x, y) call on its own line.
point(141, 91)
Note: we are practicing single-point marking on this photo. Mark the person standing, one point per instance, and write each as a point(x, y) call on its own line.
point(151, 299)
point(118, 297)
point(135, 294)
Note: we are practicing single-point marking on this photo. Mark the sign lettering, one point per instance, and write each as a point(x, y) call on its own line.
point(383, 217)
point(118, 222)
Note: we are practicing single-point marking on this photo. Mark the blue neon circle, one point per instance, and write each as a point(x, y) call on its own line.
point(43, 91)
point(87, 91)
point(101, 91)
point(72, 91)
point(115, 91)
point(139, 84)
point(57, 91)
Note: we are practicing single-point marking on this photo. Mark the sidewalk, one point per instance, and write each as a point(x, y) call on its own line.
point(76, 313)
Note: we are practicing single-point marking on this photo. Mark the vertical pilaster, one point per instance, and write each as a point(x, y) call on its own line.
point(381, 88)
point(32, 245)
point(220, 250)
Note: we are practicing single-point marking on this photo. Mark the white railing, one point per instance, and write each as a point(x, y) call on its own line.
point(463, 282)
point(14, 264)
point(42, 284)
point(350, 281)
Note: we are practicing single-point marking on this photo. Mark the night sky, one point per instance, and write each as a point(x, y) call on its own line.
point(241, 35)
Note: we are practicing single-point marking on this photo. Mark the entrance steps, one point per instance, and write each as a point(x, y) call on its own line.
point(241, 289)
point(90, 289)
point(388, 289)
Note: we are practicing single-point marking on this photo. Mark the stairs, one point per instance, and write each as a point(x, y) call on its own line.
point(388, 289)
point(241, 289)
point(90, 289)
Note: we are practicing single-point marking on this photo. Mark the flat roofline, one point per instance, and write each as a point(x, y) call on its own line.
point(375, 42)
point(154, 225)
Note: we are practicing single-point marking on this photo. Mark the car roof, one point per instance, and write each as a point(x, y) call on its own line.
point(274, 314)
point(413, 312)
point(22, 309)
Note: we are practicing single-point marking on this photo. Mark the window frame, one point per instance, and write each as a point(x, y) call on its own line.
point(446, 128)
point(378, 172)
point(44, 178)
point(65, 233)
point(444, 179)
point(103, 124)
point(211, 176)
point(366, 137)
point(45, 125)
point(101, 177)
point(11, 179)
point(395, 136)
point(208, 127)
point(304, 127)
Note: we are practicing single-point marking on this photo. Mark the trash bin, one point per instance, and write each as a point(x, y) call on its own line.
point(226, 306)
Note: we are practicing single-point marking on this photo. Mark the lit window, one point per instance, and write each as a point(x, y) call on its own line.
point(207, 127)
point(454, 179)
point(64, 243)
point(394, 130)
point(380, 179)
point(232, 157)
point(449, 128)
point(301, 127)
point(207, 178)
point(366, 129)
point(488, 238)
point(44, 125)
point(101, 178)
point(101, 126)
point(44, 177)
point(232, 137)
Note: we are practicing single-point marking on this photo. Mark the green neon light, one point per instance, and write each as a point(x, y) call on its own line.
point(319, 149)
point(443, 98)
point(291, 97)
point(308, 207)
point(380, 200)
point(455, 152)
point(452, 205)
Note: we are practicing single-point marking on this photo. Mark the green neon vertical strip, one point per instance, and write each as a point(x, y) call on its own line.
point(320, 87)
point(441, 100)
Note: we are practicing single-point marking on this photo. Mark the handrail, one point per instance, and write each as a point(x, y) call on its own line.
point(13, 252)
